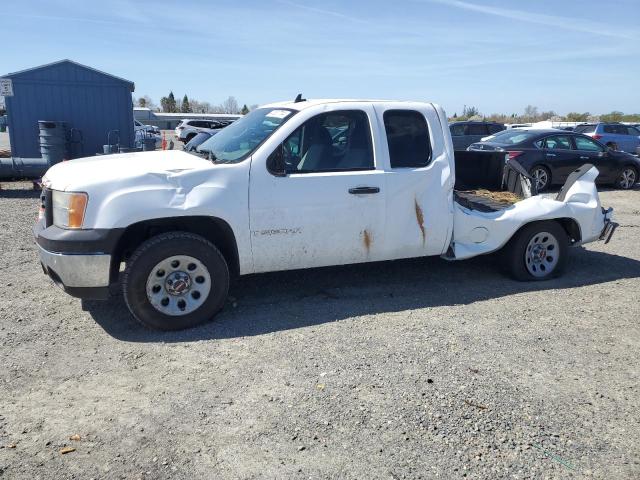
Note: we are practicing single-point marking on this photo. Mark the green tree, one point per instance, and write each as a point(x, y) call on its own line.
point(244, 110)
point(614, 116)
point(185, 107)
point(577, 117)
point(168, 103)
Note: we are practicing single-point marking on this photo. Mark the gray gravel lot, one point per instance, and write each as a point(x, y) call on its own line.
point(411, 369)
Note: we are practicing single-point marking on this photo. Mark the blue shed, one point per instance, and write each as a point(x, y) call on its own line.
point(91, 102)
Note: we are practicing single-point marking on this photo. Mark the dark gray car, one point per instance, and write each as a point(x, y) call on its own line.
point(464, 134)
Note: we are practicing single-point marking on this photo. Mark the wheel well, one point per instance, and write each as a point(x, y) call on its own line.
point(572, 228)
point(214, 229)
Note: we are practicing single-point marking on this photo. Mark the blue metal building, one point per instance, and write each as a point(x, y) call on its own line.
point(90, 101)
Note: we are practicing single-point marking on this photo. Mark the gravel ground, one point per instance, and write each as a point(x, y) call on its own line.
point(411, 369)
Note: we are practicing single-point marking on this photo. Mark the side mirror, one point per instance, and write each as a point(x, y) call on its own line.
point(276, 164)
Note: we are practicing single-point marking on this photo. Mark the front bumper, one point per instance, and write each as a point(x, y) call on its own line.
point(78, 261)
point(80, 275)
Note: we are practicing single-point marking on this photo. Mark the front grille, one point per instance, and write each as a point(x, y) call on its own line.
point(46, 204)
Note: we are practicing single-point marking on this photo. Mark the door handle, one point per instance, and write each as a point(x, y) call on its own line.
point(584, 158)
point(363, 190)
point(551, 154)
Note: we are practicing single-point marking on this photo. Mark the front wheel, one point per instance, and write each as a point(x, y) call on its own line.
point(537, 252)
point(175, 280)
point(628, 178)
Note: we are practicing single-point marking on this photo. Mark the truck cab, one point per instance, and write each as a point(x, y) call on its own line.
point(292, 185)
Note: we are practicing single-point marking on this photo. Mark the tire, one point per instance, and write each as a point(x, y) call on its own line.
point(188, 138)
point(175, 280)
point(542, 177)
point(628, 178)
point(522, 260)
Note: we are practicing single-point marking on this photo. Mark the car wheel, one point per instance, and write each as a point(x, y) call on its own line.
point(628, 178)
point(613, 146)
point(189, 137)
point(538, 251)
point(175, 280)
point(542, 177)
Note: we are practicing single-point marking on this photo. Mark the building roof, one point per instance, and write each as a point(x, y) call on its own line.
point(67, 61)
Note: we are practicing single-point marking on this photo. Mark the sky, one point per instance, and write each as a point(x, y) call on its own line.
point(499, 56)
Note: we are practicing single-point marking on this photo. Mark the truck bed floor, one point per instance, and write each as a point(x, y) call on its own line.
point(484, 202)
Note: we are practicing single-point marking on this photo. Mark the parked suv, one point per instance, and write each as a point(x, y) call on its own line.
point(190, 128)
point(616, 136)
point(464, 134)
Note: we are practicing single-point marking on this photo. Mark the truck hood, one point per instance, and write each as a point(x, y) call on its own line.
point(81, 173)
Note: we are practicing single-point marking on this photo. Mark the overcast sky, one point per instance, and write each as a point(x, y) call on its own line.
point(569, 55)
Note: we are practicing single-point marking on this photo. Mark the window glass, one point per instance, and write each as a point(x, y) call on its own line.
point(609, 129)
point(408, 138)
point(584, 143)
point(477, 129)
point(332, 141)
point(513, 136)
point(633, 131)
point(457, 130)
point(493, 128)
point(585, 129)
point(237, 141)
point(558, 142)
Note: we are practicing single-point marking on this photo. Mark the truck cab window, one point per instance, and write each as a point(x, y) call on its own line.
point(408, 138)
point(333, 141)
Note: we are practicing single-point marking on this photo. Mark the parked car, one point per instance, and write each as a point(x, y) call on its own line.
point(138, 126)
point(616, 136)
point(189, 128)
point(464, 134)
point(551, 155)
point(192, 145)
point(184, 225)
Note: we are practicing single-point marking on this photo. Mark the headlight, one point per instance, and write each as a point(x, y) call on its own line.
point(68, 209)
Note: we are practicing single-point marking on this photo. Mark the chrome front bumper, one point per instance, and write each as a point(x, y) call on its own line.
point(76, 270)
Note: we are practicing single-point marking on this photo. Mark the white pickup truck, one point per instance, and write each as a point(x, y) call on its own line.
point(291, 185)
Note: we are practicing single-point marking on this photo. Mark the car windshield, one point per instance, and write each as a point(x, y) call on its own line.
point(511, 137)
point(236, 142)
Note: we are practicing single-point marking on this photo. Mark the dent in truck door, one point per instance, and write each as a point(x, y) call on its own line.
point(329, 208)
point(418, 181)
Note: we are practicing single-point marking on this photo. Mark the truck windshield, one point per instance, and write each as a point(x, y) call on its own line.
point(236, 142)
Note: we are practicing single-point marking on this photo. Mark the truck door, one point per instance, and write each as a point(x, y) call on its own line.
point(418, 179)
point(327, 207)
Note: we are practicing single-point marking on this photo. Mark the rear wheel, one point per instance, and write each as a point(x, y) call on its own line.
point(627, 178)
point(189, 137)
point(538, 251)
point(542, 177)
point(175, 280)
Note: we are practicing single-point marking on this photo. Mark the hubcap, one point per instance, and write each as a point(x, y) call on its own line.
point(542, 254)
point(541, 178)
point(628, 178)
point(178, 285)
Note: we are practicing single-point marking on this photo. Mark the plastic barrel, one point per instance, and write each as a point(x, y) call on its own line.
point(53, 141)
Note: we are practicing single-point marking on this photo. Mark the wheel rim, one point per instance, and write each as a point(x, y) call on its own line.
point(541, 177)
point(542, 254)
point(178, 285)
point(627, 178)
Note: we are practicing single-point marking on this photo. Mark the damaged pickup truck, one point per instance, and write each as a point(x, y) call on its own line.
point(295, 185)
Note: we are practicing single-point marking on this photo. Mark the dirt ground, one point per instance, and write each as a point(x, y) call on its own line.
point(412, 369)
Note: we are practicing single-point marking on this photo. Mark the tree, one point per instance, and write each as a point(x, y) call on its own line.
point(230, 105)
point(614, 116)
point(169, 104)
point(244, 110)
point(145, 102)
point(470, 112)
point(530, 113)
point(455, 115)
point(185, 107)
point(577, 117)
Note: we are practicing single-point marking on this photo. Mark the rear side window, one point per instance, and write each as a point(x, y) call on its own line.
point(458, 130)
point(558, 142)
point(610, 129)
point(585, 129)
point(477, 129)
point(584, 143)
point(633, 131)
point(495, 128)
point(408, 138)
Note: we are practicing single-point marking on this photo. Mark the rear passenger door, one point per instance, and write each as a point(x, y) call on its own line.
point(560, 157)
point(419, 182)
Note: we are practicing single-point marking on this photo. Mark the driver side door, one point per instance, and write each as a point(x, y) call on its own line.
point(327, 206)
